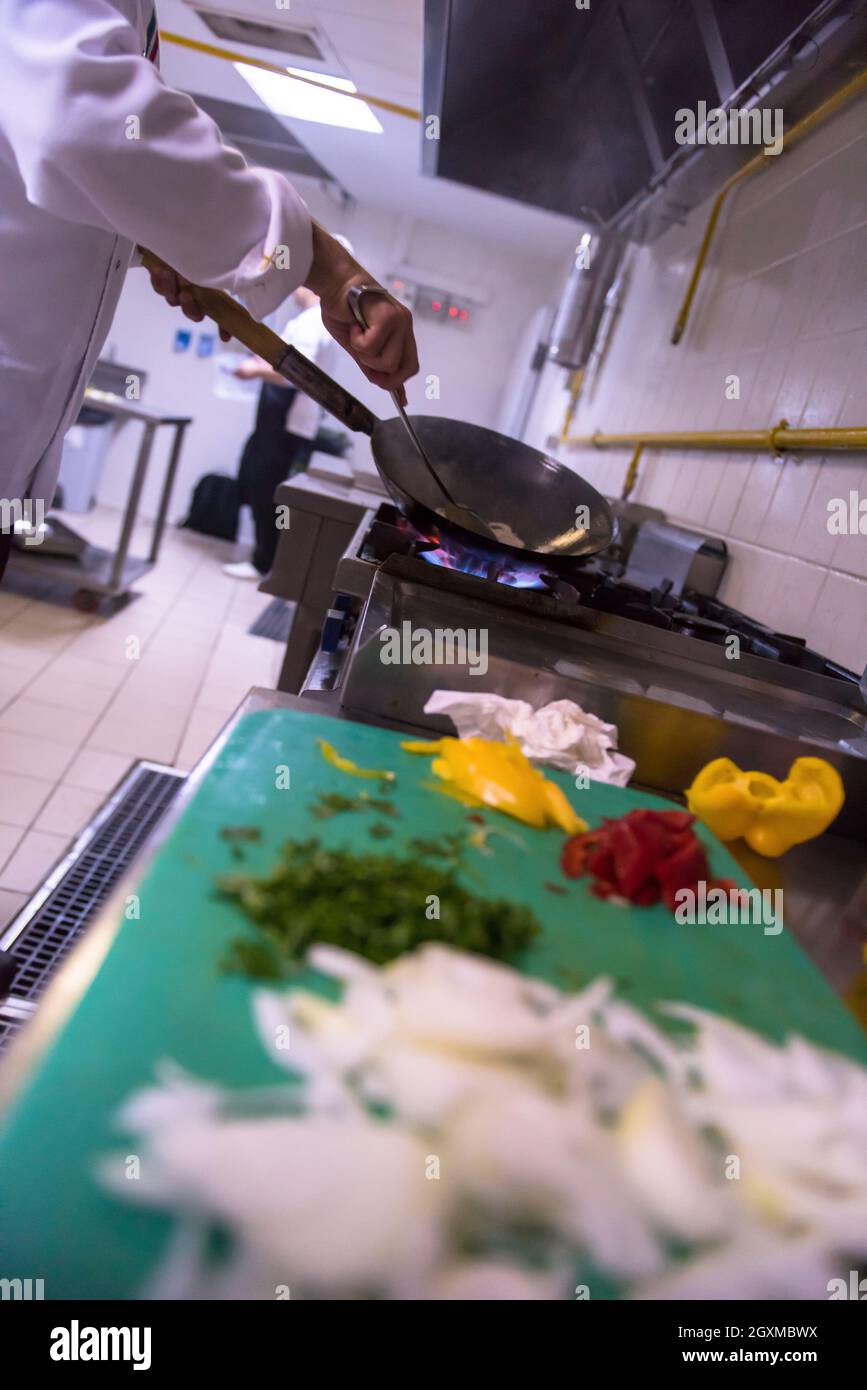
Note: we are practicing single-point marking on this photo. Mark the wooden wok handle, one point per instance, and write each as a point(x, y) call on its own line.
point(231, 316)
point(228, 314)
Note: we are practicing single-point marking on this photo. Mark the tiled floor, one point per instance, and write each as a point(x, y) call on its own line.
point(82, 697)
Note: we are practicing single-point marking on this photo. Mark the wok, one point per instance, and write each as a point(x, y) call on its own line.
point(541, 512)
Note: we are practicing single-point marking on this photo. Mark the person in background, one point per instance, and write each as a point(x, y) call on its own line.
point(286, 425)
point(99, 155)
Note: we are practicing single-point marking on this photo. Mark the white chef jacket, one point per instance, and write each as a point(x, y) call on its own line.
point(77, 193)
point(308, 334)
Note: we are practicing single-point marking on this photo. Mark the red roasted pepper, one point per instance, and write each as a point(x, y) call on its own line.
point(643, 856)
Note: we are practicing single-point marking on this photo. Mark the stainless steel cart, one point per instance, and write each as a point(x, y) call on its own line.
point(95, 573)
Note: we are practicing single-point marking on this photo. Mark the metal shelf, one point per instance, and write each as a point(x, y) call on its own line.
point(96, 573)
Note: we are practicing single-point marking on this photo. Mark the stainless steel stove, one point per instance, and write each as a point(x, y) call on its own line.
point(595, 636)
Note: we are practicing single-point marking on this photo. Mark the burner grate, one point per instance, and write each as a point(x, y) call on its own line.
point(103, 855)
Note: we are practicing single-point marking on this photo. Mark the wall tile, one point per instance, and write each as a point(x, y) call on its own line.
point(796, 597)
point(850, 552)
point(838, 624)
point(760, 577)
point(837, 364)
point(813, 540)
point(787, 506)
point(728, 495)
point(748, 522)
point(782, 304)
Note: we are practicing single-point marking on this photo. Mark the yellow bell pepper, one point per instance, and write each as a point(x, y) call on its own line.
point(805, 805)
point(727, 799)
point(331, 755)
point(770, 815)
point(500, 776)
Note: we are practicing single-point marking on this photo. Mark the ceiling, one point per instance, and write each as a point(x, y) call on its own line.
point(378, 45)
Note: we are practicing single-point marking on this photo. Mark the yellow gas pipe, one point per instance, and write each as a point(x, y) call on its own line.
point(799, 129)
point(777, 440)
point(576, 381)
point(631, 473)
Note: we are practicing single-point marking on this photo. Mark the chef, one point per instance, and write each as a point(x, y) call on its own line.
point(98, 155)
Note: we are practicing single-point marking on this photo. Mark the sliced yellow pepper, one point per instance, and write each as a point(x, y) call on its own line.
point(456, 793)
point(770, 815)
point(331, 755)
point(805, 805)
point(727, 799)
point(559, 810)
point(500, 776)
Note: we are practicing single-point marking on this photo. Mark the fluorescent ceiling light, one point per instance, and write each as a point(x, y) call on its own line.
point(342, 84)
point(304, 102)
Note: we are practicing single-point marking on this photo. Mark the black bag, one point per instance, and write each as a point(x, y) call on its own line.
point(215, 507)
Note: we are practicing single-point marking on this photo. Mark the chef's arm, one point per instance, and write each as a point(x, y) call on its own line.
point(100, 139)
point(385, 350)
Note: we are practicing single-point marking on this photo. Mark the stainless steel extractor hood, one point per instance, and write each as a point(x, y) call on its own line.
point(574, 109)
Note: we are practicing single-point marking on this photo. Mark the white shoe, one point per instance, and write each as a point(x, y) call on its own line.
point(243, 570)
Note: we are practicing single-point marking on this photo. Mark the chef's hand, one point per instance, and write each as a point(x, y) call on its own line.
point(385, 351)
point(174, 289)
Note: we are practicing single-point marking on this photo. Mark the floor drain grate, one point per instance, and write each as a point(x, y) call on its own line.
point(8, 1028)
point(85, 879)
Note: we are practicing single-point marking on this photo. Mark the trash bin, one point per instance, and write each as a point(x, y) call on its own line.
point(84, 450)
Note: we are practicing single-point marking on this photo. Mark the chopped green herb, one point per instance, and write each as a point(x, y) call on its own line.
point(250, 957)
point(328, 804)
point(380, 804)
point(238, 836)
point(247, 834)
point(377, 905)
point(380, 831)
point(450, 846)
point(332, 804)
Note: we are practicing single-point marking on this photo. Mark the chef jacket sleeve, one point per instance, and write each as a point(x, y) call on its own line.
point(100, 139)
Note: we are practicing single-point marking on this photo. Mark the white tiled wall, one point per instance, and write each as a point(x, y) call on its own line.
point(783, 305)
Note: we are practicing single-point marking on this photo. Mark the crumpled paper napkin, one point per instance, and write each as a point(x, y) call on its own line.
point(560, 733)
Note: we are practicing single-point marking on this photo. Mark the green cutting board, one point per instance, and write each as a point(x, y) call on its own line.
point(161, 994)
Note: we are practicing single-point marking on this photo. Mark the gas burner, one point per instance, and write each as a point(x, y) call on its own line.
point(386, 538)
point(597, 583)
point(499, 569)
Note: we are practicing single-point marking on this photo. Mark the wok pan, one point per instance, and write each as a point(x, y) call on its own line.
point(541, 512)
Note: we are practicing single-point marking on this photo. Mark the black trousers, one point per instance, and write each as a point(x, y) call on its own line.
point(5, 549)
point(270, 456)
